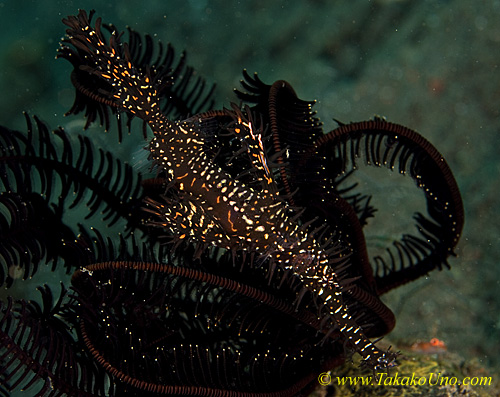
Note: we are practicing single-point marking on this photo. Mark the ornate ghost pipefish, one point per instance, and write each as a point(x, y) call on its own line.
point(215, 208)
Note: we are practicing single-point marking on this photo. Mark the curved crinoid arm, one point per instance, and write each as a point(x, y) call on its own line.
point(383, 144)
point(193, 332)
point(44, 175)
point(39, 354)
point(64, 168)
point(179, 92)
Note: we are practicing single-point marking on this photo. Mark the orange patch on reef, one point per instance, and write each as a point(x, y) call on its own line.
point(434, 346)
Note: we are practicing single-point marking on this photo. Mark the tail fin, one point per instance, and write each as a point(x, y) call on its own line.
point(124, 85)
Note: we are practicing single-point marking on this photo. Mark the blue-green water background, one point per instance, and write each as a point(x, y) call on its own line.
point(430, 65)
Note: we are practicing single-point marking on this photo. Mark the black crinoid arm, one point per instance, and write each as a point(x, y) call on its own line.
point(243, 269)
